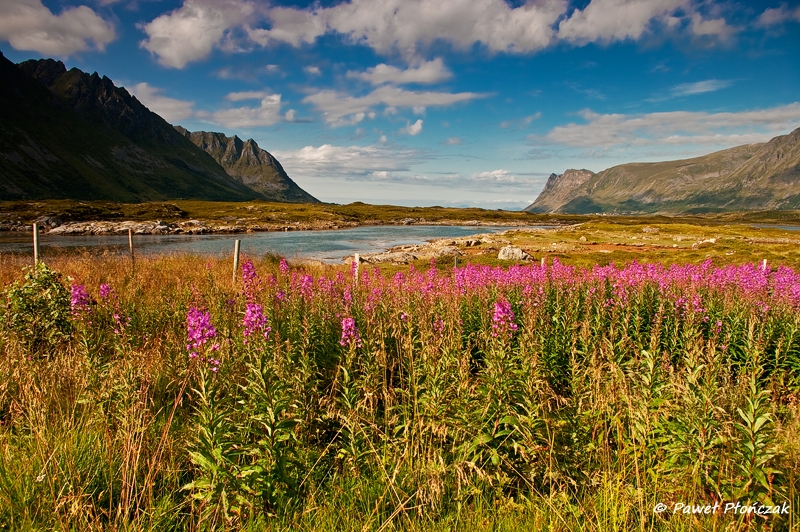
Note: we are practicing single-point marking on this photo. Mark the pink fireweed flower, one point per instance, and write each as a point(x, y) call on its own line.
point(200, 331)
point(250, 279)
point(80, 301)
point(503, 319)
point(254, 321)
point(283, 266)
point(350, 334)
point(106, 291)
point(248, 271)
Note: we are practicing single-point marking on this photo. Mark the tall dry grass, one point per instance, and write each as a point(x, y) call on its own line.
point(487, 399)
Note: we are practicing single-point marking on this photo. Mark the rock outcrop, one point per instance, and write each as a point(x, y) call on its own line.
point(513, 253)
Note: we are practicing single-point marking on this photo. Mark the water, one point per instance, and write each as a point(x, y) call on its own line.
point(779, 227)
point(328, 246)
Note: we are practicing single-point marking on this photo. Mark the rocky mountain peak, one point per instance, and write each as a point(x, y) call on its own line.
point(246, 162)
point(559, 189)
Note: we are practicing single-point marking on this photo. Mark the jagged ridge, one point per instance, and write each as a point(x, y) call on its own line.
point(250, 165)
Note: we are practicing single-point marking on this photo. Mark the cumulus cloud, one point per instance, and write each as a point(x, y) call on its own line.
point(424, 73)
point(312, 70)
point(190, 32)
point(607, 21)
point(266, 114)
point(407, 25)
point(170, 109)
point(413, 129)
point(614, 20)
point(29, 25)
point(410, 27)
point(674, 128)
point(453, 141)
point(340, 108)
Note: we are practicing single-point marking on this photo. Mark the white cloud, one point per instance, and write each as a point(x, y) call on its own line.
point(494, 176)
point(778, 15)
point(614, 20)
point(170, 109)
point(266, 114)
point(337, 106)
point(521, 123)
point(190, 32)
point(413, 129)
point(406, 25)
point(347, 161)
point(426, 73)
point(690, 89)
point(29, 25)
point(453, 141)
point(312, 70)
point(700, 87)
point(247, 95)
point(606, 21)
point(410, 27)
point(675, 128)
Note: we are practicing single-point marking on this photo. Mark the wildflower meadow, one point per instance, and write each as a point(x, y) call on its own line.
point(527, 397)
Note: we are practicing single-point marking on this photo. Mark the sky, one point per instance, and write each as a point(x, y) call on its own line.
point(439, 102)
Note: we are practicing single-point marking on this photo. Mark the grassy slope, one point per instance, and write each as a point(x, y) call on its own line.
point(682, 185)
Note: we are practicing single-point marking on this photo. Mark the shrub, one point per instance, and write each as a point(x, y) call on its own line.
point(37, 309)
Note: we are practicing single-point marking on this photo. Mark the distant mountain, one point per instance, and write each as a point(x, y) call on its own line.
point(250, 165)
point(68, 134)
point(751, 177)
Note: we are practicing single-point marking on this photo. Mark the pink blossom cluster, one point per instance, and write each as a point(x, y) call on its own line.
point(350, 335)
point(80, 301)
point(503, 320)
point(254, 322)
point(201, 332)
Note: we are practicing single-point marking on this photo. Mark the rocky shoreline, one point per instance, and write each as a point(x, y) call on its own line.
point(481, 244)
point(55, 226)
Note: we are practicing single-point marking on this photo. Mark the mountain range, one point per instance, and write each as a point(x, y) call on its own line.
point(68, 134)
point(751, 177)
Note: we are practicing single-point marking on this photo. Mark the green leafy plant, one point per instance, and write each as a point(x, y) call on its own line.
point(37, 309)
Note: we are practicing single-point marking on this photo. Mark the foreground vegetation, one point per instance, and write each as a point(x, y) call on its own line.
point(316, 398)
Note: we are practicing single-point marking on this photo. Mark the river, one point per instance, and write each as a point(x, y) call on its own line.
point(328, 246)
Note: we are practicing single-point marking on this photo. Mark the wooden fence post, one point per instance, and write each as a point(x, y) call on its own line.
point(35, 244)
point(236, 246)
point(130, 246)
point(357, 262)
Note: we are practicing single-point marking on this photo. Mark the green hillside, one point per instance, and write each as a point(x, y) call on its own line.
point(750, 177)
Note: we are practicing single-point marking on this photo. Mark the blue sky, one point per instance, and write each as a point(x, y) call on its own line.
point(439, 102)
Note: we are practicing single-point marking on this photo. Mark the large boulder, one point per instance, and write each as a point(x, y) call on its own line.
point(513, 253)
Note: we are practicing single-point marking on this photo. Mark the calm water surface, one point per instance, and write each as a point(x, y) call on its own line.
point(329, 246)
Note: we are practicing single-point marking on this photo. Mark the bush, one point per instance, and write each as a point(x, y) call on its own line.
point(37, 309)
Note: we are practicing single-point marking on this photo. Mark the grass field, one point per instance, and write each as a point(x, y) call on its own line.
point(569, 396)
